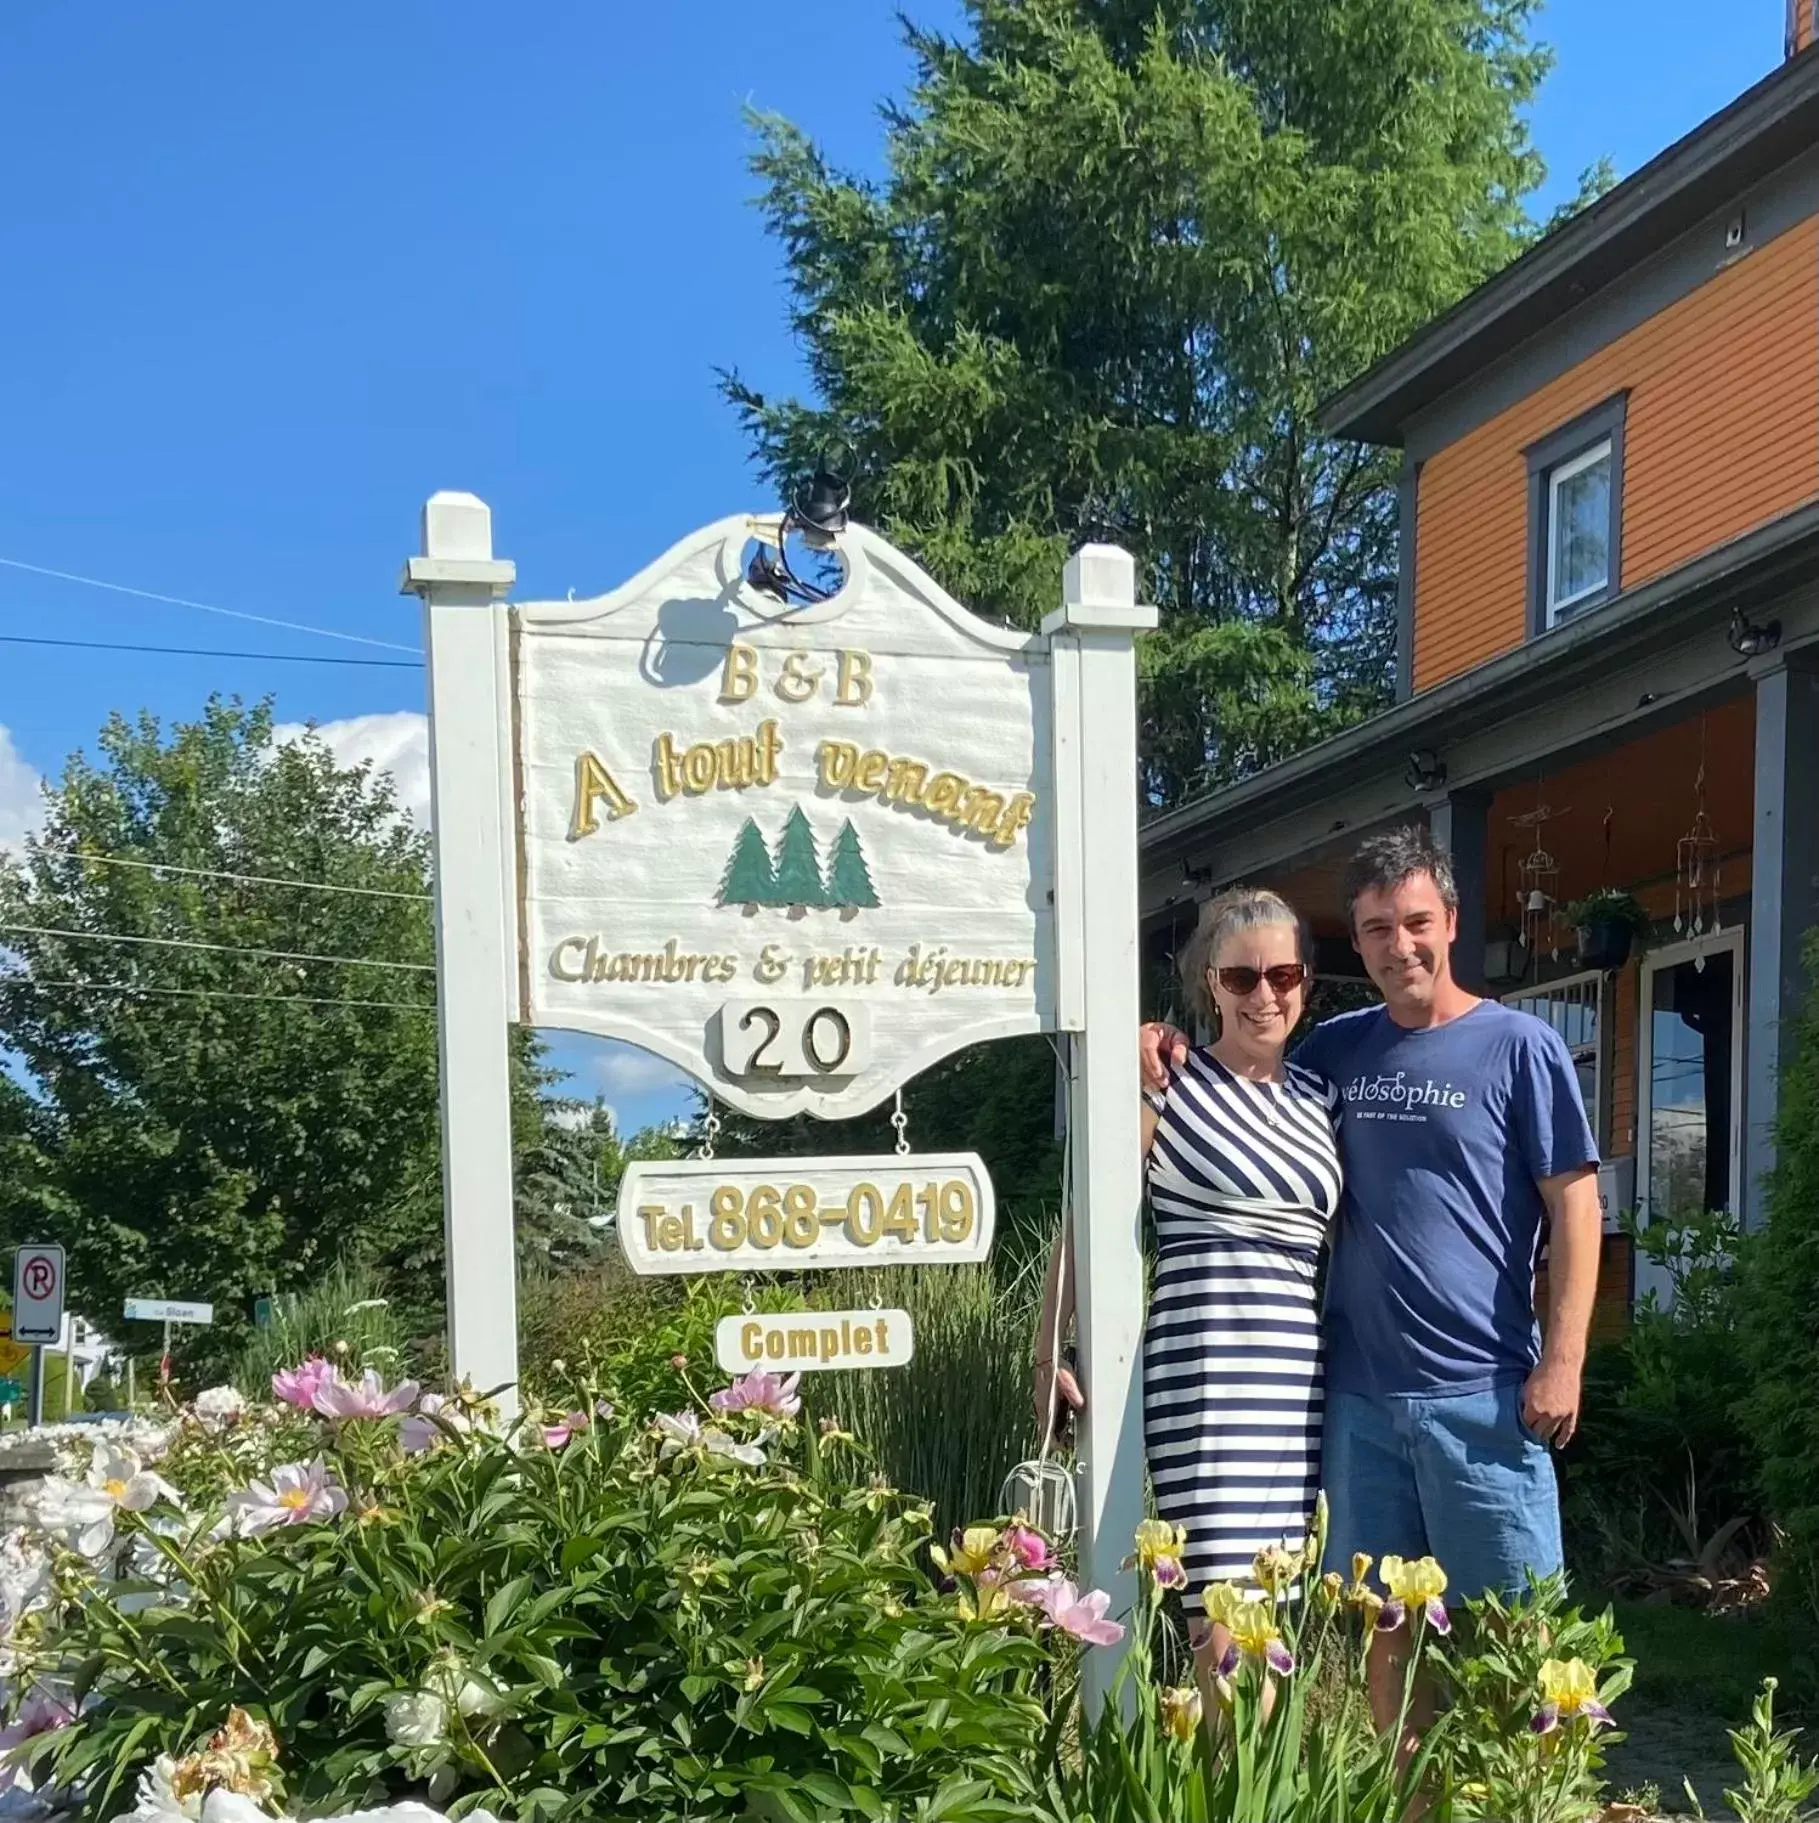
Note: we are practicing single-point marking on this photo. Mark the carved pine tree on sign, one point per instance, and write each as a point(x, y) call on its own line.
point(798, 865)
point(849, 880)
point(749, 878)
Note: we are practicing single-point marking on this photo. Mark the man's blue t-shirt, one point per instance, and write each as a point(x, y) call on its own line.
point(1443, 1133)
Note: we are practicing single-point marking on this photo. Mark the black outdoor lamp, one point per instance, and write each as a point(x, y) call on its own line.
point(819, 514)
point(821, 506)
point(1426, 770)
point(1747, 639)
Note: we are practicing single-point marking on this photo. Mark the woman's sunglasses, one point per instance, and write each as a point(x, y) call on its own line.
point(1284, 978)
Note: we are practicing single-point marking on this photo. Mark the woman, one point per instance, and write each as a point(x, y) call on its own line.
point(1244, 1179)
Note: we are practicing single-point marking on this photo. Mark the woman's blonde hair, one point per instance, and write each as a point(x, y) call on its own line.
point(1238, 908)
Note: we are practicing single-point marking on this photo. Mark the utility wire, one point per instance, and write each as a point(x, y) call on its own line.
point(203, 607)
point(214, 993)
point(276, 658)
point(225, 949)
point(209, 873)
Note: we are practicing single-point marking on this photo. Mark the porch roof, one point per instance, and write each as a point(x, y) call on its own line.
point(1759, 132)
point(1749, 573)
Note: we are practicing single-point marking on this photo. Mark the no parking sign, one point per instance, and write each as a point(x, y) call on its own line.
point(38, 1294)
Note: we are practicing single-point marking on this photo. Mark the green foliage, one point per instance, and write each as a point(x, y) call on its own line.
point(1776, 1782)
point(1609, 905)
point(188, 1142)
point(568, 1178)
point(952, 1424)
point(614, 1629)
point(1661, 1483)
point(344, 1316)
point(1780, 1341)
point(1122, 252)
point(1493, 1671)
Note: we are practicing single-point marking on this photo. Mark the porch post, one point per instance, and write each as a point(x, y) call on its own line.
point(1784, 896)
point(1459, 823)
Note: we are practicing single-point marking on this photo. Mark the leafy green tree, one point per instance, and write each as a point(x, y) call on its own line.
point(849, 880)
point(749, 878)
point(1124, 248)
point(570, 1179)
point(798, 866)
point(220, 1108)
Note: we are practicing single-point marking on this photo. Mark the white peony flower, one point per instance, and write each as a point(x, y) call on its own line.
point(416, 1718)
point(293, 1494)
point(427, 1426)
point(157, 1797)
point(220, 1408)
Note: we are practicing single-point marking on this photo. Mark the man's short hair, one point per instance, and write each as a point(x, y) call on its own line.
point(1384, 862)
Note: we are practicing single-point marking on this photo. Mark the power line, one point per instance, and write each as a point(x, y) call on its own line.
point(225, 949)
point(209, 873)
point(215, 993)
point(276, 658)
point(203, 607)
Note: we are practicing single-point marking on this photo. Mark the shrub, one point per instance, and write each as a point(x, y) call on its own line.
point(1781, 1339)
point(596, 1619)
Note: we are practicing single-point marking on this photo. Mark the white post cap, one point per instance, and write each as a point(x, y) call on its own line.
point(1099, 590)
point(457, 546)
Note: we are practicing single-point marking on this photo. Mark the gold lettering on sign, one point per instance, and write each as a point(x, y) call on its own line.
point(896, 780)
point(739, 675)
point(855, 686)
point(595, 785)
point(582, 959)
point(798, 680)
point(932, 970)
point(729, 765)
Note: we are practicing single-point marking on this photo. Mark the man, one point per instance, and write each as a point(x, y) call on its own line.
point(1461, 1128)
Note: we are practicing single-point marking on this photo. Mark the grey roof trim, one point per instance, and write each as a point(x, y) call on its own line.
point(1741, 574)
point(1760, 131)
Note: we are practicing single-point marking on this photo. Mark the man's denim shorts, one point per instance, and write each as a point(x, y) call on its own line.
point(1460, 1478)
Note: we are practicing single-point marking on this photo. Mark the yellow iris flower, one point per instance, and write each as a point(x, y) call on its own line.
point(972, 1552)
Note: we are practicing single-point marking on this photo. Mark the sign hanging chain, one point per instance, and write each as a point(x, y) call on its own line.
point(710, 1130)
point(900, 1121)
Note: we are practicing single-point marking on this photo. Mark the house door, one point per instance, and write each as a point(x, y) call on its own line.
point(1689, 1150)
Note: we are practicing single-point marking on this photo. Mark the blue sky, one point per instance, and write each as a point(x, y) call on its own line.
point(274, 275)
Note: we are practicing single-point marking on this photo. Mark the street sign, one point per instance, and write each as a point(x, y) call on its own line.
point(809, 1341)
point(165, 1310)
point(38, 1294)
point(799, 1214)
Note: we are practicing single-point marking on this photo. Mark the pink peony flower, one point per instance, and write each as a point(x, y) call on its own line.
point(365, 1398)
point(297, 1385)
point(760, 1391)
point(1029, 1548)
point(1081, 1615)
point(294, 1494)
point(558, 1435)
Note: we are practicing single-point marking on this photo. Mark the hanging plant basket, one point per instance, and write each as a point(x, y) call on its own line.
point(1608, 923)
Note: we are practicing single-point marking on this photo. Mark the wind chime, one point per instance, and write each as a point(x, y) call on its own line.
point(1696, 867)
point(1538, 883)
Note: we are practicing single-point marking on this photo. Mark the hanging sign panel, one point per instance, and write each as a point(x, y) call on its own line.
point(810, 1341)
point(800, 1214)
point(801, 852)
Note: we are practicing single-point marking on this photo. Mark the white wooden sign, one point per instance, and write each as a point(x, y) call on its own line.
point(811, 1341)
point(167, 1310)
point(803, 853)
point(797, 1214)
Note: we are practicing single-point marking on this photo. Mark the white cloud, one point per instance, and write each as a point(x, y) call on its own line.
point(626, 1070)
point(21, 793)
point(396, 742)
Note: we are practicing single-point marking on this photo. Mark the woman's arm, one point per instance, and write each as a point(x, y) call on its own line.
point(1056, 1384)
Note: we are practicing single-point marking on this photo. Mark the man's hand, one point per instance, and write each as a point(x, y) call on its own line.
point(1058, 1397)
point(1163, 1050)
point(1550, 1402)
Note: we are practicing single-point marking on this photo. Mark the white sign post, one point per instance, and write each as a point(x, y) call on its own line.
point(803, 851)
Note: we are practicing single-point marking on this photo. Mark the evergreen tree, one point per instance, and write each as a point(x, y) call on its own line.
point(1124, 250)
point(849, 880)
point(798, 866)
point(749, 879)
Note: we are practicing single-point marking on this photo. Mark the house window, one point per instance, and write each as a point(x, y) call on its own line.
point(1576, 516)
point(1574, 1007)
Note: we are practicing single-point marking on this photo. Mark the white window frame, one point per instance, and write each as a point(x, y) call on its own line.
point(1604, 450)
point(1540, 990)
point(1650, 1278)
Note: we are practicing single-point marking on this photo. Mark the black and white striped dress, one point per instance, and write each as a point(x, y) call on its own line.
point(1243, 1179)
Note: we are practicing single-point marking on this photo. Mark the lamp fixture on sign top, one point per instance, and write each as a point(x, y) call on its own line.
point(819, 514)
point(1750, 640)
point(1426, 770)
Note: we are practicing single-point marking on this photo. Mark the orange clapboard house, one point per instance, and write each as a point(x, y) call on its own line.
point(1608, 653)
